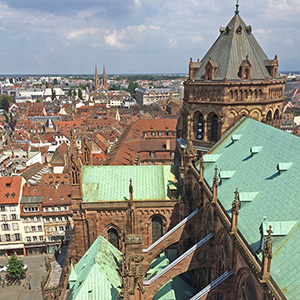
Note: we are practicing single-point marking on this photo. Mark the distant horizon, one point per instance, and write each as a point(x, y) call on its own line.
point(114, 74)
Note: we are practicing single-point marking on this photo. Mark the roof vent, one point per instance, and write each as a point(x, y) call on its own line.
point(279, 228)
point(235, 137)
point(255, 149)
point(283, 166)
point(247, 197)
point(226, 174)
point(211, 158)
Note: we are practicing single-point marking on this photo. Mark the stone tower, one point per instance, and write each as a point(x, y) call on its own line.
point(96, 80)
point(234, 78)
point(104, 84)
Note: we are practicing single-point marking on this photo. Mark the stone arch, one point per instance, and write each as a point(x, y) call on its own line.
point(198, 199)
point(223, 252)
point(255, 114)
point(208, 220)
point(244, 112)
point(244, 287)
point(157, 227)
point(213, 127)
point(231, 117)
point(277, 114)
point(113, 234)
point(269, 116)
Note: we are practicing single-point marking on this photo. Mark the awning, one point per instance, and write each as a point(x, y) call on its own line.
point(11, 246)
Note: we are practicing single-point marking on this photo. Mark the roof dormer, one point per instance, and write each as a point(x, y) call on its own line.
point(245, 69)
point(209, 70)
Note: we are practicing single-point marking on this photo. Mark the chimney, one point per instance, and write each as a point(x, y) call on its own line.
point(168, 144)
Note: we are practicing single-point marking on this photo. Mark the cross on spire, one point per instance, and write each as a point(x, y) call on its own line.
point(237, 7)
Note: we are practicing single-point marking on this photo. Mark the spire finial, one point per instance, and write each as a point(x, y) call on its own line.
point(237, 7)
point(130, 190)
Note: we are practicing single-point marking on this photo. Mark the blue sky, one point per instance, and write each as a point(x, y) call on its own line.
point(135, 36)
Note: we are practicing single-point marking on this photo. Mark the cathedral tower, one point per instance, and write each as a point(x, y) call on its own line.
point(96, 80)
point(234, 78)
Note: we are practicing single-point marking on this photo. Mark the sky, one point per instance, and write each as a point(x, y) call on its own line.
point(135, 36)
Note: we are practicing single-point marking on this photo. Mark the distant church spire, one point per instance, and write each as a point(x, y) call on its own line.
point(237, 7)
point(104, 85)
point(96, 79)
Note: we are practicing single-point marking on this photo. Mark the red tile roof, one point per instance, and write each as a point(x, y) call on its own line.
point(10, 189)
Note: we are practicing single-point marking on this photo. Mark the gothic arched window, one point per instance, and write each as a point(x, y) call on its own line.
point(246, 290)
point(113, 237)
point(269, 117)
point(198, 126)
point(157, 228)
point(214, 128)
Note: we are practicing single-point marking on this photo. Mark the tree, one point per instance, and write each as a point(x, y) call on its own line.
point(80, 94)
point(53, 94)
point(131, 88)
point(55, 82)
point(15, 268)
point(4, 101)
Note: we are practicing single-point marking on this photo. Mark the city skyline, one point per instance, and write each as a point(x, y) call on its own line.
point(136, 36)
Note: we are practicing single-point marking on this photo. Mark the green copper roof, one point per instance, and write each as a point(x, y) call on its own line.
point(176, 288)
point(276, 193)
point(111, 183)
point(97, 273)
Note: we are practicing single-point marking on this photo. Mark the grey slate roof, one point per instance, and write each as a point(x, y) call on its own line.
point(32, 199)
point(230, 50)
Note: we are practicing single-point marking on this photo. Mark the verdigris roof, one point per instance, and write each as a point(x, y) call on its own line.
point(111, 183)
point(97, 273)
point(235, 43)
point(268, 185)
point(175, 288)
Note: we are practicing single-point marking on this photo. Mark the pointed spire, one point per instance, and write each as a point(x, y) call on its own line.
point(215, 186)
point(235, 212)
point(202, 165)
point(96, 79)
point(237, 7)
point(267, 256)
point(130, 190)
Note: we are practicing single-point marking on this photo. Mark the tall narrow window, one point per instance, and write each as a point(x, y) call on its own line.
point(113, 237)
point(157, 228)
point(199, 126)
point(214, 128)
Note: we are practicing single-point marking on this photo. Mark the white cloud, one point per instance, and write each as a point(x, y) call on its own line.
point(78, 34)
point(127, 37)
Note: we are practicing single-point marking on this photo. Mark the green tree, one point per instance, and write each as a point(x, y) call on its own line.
point(80, 94)
point(69, 92)
point(55, 82)
point(131, 88)
point(15, 268)
point(74, 92)
point(53, 94)
point(4, 102)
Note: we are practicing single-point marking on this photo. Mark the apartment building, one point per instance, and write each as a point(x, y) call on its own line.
point(11, 228)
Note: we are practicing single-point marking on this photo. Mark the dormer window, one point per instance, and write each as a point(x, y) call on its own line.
point(245, 69)
point(209, 70)
point(239, 30)
point(6, 195)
